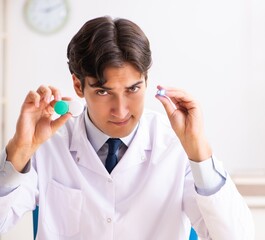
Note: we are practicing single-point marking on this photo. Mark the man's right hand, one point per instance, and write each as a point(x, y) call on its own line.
point(35, 125)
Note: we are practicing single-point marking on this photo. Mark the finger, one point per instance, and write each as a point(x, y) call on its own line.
point(45, 93)
point(179, 97)
point(57, 123)
point(56, 93)
point(178, 94)
point(52, 103)
point(33, 97)
point(67, 98)
point(167, 103)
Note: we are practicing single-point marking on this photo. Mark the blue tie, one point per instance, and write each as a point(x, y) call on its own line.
point(112, 160)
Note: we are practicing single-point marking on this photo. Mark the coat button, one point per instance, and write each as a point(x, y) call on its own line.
point(110, 180)
point(109, 220)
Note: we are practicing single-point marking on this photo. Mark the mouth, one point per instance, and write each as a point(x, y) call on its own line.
point(121, 123)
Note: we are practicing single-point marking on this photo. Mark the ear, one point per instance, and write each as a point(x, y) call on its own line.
point(77, 86)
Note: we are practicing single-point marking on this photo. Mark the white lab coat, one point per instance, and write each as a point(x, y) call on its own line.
point(149, 195)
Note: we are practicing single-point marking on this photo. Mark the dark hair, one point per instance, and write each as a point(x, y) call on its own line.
point(103, 42)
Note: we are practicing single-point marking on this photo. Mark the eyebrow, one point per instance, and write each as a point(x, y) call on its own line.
point(97, 85)
point(135, 84)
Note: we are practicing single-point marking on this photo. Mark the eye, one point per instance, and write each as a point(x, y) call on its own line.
point(134, 89)
point(101, 92)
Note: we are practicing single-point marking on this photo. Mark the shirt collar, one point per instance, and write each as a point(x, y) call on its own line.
point(97, 138)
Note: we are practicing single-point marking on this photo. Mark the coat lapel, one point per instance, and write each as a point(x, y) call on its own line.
point(138, 151)
point(82, 149)
point(85, 155)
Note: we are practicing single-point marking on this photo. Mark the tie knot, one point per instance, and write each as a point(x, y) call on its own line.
point(114, 144)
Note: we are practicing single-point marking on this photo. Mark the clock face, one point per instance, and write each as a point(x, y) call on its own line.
point(46, 16)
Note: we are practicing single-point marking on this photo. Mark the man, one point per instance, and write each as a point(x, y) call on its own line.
point(160, 179)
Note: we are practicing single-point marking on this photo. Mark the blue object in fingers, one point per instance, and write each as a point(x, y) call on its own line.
point(161, 92)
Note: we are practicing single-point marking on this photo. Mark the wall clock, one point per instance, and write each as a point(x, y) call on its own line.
point(46, 16)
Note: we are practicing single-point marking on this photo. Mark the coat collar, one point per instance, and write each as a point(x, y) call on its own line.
point(86, 156)
point(97, 138)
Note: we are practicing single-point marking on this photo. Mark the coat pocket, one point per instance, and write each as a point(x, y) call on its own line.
point(63, 209)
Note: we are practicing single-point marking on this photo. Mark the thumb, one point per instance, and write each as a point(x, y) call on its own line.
point(57, 123)
point(167, 103)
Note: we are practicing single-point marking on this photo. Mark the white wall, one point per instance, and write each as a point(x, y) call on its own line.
point(1, 71)
point(213, 49)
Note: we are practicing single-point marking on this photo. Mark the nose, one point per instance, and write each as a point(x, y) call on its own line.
point(120, 107)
